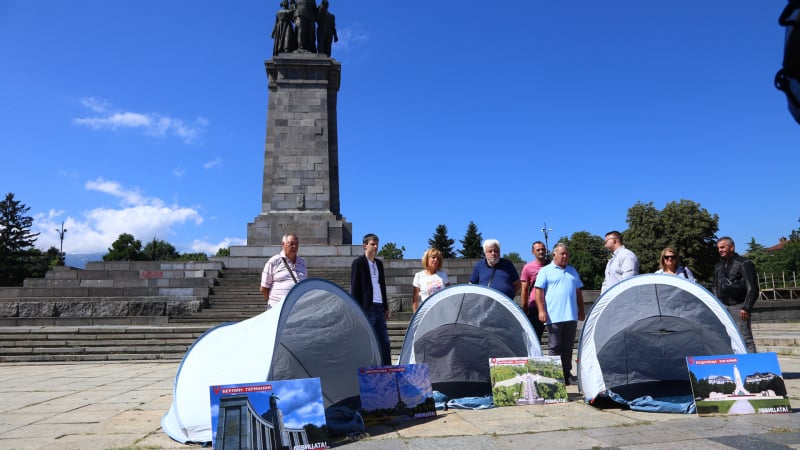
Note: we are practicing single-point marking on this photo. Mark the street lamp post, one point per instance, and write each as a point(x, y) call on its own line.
point(545, 230)
point(61, 233)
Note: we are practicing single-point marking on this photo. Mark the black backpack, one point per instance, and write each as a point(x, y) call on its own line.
point(788, 78)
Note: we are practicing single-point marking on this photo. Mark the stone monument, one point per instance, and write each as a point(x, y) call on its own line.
point(300, 191)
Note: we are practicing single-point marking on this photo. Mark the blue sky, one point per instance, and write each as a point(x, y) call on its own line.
point(148, 117)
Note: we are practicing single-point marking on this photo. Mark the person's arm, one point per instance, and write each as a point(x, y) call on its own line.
point(517, 286)
point(355, 281)
point(382, 283)
point(581, 309)
point(539, 292)
point(524, 294)
point(751, 283)
point(474, 278)
point(266, 281)
point(415, 300)
point(629, 267)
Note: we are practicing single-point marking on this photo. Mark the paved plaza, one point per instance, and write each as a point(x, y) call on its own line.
point(120, 405)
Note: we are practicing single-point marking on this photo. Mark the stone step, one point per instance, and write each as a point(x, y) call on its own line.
point(95, 343)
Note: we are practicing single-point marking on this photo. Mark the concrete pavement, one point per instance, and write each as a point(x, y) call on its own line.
point(120, 405)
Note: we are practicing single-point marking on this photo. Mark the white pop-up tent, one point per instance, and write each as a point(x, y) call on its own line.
point(318, 330)
point(458, 329)
point(638, 334)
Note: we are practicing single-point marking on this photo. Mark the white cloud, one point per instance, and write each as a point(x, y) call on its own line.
point(95, 104)
point(212, 163)
point(209, 248)
point(151, 124)
point(143, 217)
point(178, 172)
point(349, 39)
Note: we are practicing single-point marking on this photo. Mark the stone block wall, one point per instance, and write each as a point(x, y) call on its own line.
point(112, 290)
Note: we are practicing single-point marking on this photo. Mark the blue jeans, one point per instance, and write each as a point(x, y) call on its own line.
point(377, 319)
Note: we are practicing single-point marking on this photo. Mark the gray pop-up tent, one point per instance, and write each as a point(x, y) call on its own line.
point(636, 338)
point(318, 330)
point(458, 329)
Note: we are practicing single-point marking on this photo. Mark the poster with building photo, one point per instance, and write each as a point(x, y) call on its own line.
point(535, 380)
point(396, 393)
point(286, 415)
point(738, 384)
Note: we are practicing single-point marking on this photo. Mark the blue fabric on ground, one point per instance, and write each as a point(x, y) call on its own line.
point(440, 400)
point(683, 404)
point(344, 421)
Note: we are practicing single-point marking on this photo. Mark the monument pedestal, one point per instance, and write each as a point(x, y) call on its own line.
point(301, 157)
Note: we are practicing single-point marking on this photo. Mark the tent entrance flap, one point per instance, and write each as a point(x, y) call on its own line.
point(460, 353)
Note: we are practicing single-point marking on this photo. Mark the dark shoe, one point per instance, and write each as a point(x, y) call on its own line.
point(571, 381)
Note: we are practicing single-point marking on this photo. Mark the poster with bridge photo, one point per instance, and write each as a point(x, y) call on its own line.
point(286, 414)
point(396, 393)
point(536, 380)
point(738, 384)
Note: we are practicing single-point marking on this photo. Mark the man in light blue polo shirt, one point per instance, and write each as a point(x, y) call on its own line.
point(560, 302)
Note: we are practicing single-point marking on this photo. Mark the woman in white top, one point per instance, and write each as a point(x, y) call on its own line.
point(431, 280)
point(669, 264)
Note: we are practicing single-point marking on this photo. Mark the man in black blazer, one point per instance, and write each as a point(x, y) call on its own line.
point(368, 287)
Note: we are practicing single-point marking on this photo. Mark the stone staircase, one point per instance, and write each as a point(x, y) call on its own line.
point(95, 343)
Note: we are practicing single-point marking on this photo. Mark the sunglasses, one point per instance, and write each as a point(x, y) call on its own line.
point(669, 257)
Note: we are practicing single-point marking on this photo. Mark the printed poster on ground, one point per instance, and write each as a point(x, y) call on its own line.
point(284, 415)
point(738, 384)
point(396, 393)
point(537, 380)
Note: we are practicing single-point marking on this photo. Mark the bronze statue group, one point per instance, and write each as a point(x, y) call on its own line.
point(302, 26)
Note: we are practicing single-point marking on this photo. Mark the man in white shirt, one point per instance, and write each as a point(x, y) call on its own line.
point(623, 263)
point(283, 271)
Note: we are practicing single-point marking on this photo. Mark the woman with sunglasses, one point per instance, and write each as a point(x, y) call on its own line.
point(669, 264)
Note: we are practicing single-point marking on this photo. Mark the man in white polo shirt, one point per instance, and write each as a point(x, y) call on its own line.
point(283, 271)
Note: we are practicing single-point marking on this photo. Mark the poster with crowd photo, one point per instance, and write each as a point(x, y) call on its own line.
point(536, 380)
point(286, 414)
point(396, 393)
point(738, 384)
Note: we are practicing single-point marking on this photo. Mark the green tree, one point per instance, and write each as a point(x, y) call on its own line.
point(772, 265)
point(442, 242)
point(192, 257)
point(754, 247)
point(514, 257)
point(125, 248)
point(17, 252)
point(795, 234)
point(390, 251)
point(684, 225)
point(588, 256)
point(223, 251)
point(158, 250)
point(471, 244)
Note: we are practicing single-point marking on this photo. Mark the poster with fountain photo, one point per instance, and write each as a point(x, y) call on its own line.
point(286, 414)
point(396, 393)
point(536, 380)
point(738, 384)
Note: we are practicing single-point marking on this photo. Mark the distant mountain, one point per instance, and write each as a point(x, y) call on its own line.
point(79, 260)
